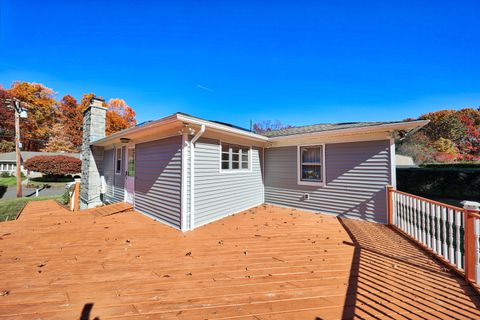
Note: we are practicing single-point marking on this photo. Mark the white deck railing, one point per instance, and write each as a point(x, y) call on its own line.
point(450, 232)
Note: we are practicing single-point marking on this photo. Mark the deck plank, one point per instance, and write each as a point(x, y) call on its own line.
point(264, 263)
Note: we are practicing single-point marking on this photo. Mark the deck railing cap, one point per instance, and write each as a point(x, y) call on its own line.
point(471, 205)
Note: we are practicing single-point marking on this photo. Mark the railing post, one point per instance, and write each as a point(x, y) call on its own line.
point(76, 196)
point(469, 246)
point(471, 213)
point(390, 205)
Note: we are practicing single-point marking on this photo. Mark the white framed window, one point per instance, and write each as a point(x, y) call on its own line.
point(131, 162)
point(311, 165)
point(234, 157)
point(118, 161)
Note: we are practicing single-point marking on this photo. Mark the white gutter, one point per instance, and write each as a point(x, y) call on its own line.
point(216, 126)
point(192, 175)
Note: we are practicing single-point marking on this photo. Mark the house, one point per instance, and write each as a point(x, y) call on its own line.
point(405, 161)
point(186, 171)
point(8, 162)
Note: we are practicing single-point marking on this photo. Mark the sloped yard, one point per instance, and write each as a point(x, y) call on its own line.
point(265, 263)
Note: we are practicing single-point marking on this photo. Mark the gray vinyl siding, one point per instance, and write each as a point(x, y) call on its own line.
point(356, 177)
point(158, 178)
point(119, 180)
point(108, 173)
point(219, 194)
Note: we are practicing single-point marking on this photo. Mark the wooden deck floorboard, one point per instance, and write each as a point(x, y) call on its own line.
point(264, 263)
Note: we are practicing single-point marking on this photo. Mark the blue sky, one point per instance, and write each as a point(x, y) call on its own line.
point(300, 62)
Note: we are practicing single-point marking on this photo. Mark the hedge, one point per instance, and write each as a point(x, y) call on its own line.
point(472, 165)
point(54, 165)
point(460, 184)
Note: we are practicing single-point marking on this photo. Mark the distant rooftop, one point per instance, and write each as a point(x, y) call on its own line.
point(322, 127)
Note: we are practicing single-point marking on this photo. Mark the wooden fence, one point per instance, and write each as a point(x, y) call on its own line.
point(450, 232)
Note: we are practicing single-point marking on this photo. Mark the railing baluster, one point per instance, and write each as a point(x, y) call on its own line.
point(450, 232)
point(444, 232)
point(410, 215)
point(415, 219)
point(428, 221)
point(393, 196)
point(458, 222)
point(422, 216)
point(397, 210)
point(434, 227)
point(438, 213)
point(451, 251)
point(419, 220)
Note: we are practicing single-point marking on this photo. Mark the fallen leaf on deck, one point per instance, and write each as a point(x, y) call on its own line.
point(4, 293)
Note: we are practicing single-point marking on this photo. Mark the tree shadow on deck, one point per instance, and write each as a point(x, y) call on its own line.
point(390, 275)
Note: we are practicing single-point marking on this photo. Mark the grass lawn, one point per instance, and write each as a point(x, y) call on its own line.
point(8, 181)
point(10, 208)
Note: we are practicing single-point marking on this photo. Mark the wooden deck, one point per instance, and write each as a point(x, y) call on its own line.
point(265, 263)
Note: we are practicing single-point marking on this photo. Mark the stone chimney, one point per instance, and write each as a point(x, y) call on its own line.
point(91, 156)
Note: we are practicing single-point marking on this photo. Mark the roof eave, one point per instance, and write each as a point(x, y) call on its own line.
point(180, 118)
point(388, 127)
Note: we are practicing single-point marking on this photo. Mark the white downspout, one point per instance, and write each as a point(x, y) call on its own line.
point(184, 179)
point(192, 176)
point(393, 162)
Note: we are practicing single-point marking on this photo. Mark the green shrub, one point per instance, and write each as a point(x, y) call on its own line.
point(453, 183)
point(65, 199)
point(458, 165)
point(5, 175)
point(48, 178)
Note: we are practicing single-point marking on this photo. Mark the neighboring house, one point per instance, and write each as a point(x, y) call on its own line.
point(8, 162)
point(187, 172)
point(404, 161)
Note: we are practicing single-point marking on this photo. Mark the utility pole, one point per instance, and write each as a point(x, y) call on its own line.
point(17, 148)
point(20, 112)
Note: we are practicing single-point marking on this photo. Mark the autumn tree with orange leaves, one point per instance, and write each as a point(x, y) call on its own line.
point(40, 105)
point(119, 116)
point(7, 122)
point(71, 118)
point(52, 125)
point(451, 136)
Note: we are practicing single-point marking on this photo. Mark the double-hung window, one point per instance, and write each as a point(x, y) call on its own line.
point(118, 161)
point(235, 157)
point(311, 165)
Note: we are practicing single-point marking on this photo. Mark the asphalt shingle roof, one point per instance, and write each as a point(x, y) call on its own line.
point(322, 127)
